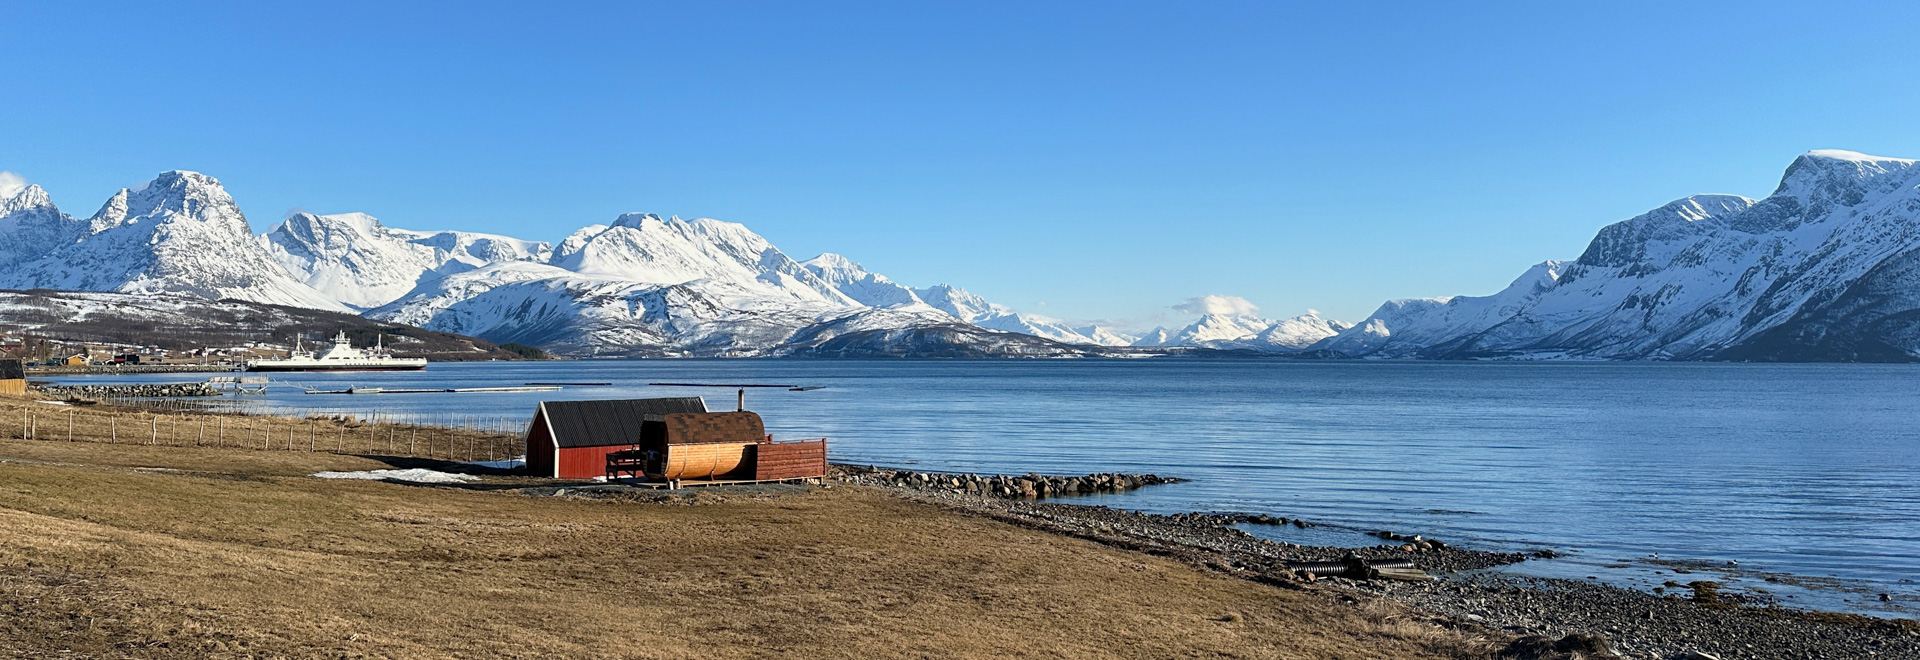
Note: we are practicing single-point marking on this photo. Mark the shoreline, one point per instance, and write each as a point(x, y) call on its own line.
point(1468, 589)
point(1465, 593)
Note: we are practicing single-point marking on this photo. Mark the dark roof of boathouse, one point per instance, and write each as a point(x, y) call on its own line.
point(608, 423)
point(10, 369)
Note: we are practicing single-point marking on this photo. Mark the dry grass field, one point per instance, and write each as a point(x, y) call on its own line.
point(155, 552)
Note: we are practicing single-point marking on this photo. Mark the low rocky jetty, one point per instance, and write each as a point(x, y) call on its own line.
point(1028, 486)
point(128, 391)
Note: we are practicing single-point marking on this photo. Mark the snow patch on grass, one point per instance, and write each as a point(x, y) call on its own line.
point(415, 475)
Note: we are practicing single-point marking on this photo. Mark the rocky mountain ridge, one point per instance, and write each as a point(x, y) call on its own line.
point(1825, 268)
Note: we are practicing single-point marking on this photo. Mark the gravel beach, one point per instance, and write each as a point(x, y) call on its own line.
point(1635, 624)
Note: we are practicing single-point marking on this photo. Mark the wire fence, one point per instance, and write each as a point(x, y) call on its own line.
point(185, 423)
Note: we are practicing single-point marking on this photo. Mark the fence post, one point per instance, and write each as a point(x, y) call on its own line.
point(69, 426)
point(223, 432)
point(200, 439)
point(153, 432)
point(413, 436)
point(311, 429)
point(113, 430)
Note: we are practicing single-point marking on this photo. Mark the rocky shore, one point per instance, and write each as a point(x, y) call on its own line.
point(128, 391)
point(1560, 619)
point(1028, 486)
point(131, 369)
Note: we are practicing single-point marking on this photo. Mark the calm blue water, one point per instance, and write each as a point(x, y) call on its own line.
point(1810, 470)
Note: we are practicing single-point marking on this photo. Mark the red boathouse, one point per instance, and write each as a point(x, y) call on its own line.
point(571, 439)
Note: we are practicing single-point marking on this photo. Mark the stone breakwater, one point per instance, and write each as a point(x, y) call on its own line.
point(1028, 486)
point(128, 391)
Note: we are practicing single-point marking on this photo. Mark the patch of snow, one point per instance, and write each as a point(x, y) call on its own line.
point(414, 475)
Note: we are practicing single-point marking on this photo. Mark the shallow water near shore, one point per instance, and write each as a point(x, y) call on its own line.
point(1808, 474)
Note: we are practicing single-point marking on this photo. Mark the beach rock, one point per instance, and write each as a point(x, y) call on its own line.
point(1577, 646)
point(1028, 486)
point(156, 390)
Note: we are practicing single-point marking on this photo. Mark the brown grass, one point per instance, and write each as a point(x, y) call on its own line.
point(239, 555)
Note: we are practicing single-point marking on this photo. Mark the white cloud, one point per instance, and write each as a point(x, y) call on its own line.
point(11, 184)
point(1217, 304)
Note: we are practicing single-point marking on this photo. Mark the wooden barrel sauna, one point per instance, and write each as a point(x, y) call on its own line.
point(706, 461)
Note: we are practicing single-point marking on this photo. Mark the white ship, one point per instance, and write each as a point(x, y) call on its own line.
point(341, 357)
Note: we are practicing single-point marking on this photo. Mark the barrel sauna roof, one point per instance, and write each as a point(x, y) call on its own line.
point(708, 428)
point(608, 423)
point(10, 369)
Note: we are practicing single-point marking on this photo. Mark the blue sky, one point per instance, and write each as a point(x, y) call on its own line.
point(1099, 160)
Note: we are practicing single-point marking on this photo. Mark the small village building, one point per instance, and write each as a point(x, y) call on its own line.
point(571, 439)
point(79, 360)
point(663, 440)
point(13, 376)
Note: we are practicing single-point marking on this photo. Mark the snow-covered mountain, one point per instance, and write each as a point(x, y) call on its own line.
point(871, 289)
point(878, 291)
point(1247, 331)
point(975, 310)
point(1827, 267)
point(641, 285)
point(180, 233)
point(357, 261)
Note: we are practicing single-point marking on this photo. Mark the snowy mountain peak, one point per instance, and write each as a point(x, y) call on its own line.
point(179, 233)
point(830, 262)
point(641, 247)
point(1842, 175)
point(23, 197)
point(1664, 230)
point(1221, 327)
point(638, 220)
point(1823, 269)
point(364, 264)
point(870, 289)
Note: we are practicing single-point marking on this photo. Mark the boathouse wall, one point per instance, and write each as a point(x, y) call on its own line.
point(571, 439)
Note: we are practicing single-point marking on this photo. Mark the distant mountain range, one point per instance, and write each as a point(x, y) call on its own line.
point(1825, 268)
point(641, 286)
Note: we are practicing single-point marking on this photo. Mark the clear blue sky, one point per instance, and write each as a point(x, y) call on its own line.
point(1085, 160)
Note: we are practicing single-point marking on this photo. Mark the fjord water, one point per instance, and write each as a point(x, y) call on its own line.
point(1808, 470)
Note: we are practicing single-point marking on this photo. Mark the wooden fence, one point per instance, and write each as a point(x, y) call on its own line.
point(445, 436)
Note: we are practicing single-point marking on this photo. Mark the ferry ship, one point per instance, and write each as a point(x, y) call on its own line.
point(341, 357)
